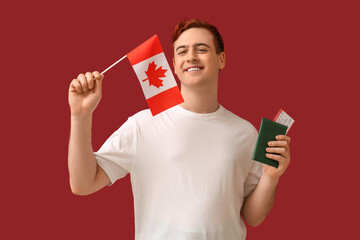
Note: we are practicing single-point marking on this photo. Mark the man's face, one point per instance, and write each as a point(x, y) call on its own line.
point(196, 62)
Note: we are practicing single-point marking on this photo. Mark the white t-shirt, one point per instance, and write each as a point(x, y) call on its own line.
point(189, 172)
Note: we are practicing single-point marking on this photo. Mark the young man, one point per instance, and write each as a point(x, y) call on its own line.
point(190, 166)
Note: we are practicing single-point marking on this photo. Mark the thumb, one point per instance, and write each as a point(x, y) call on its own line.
point(98, 84)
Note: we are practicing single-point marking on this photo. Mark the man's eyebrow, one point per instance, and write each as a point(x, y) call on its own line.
point(182, 46)
point(196, 45)
point(201, 44)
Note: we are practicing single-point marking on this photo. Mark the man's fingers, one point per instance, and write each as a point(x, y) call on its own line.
point(276, 150)
point(90, 80)
point(279, 150)
point(82, 79)
point(97, 75)
point(75, 85)
point(274, 156)
point(86, 82)
point(98, 83)
point(281, 159)
point(283, 138)
point(278, 143)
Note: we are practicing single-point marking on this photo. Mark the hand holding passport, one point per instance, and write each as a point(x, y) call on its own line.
point(268, 131)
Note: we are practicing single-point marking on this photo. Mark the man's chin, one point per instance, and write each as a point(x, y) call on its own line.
point(194, 83)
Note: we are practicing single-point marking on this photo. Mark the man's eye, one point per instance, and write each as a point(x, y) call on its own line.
point(202, 50)
point(181, 52)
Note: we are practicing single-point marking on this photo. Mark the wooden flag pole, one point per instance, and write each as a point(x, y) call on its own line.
point(102, 73)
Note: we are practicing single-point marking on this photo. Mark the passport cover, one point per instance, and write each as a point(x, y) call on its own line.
point(268, 131)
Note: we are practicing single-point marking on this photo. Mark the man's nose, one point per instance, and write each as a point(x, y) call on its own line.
point(192, 57)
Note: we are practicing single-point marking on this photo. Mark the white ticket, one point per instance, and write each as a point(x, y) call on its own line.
point(283, 118)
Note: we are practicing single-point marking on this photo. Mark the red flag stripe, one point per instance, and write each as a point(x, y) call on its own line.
point(165, 100)
point(146, 50)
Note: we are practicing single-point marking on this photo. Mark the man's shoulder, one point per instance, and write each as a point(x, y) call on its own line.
point(146, 113)
point(145, 118)
point(238, 121)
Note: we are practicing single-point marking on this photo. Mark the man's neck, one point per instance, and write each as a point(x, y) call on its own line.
point(200, 100)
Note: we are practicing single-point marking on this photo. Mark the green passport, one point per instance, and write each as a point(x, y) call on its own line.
point(268, 131)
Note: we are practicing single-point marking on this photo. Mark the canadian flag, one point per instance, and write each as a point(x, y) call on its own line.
point(156, 79)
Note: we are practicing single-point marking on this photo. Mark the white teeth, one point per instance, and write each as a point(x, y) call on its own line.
point(193, 69)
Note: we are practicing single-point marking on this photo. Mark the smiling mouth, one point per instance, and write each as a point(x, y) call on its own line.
point(193, 69)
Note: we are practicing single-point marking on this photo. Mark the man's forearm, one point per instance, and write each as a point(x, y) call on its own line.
point(81, 160)
point(260, 201)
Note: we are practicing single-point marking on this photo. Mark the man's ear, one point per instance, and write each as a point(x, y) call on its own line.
point(174, 66)
point(222, 60)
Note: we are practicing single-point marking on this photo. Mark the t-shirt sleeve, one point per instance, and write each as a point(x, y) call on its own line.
point(253, 178)
point(255, 170)
point(116, 155)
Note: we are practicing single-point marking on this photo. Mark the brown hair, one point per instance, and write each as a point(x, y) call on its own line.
point(195, 23)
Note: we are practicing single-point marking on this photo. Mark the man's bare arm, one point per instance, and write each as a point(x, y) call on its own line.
point(86, 176)
point(259, 203)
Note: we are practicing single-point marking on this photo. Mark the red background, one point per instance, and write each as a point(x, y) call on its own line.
point(301, 56)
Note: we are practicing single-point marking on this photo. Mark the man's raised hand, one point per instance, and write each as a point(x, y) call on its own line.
point(85, 93)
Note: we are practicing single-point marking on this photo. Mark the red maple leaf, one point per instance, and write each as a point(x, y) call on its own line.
point(155, 75)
